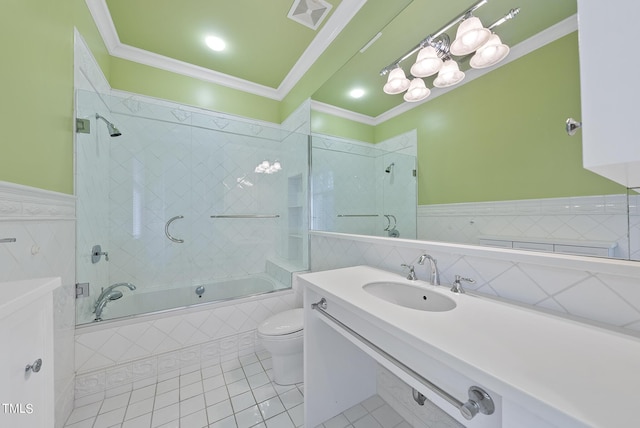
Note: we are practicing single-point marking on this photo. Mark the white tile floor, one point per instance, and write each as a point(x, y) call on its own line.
point(237, 393)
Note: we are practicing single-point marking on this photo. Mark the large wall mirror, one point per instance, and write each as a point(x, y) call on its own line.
point(493, 162)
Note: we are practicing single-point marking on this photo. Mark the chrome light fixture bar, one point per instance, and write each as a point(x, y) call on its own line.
point(435, 55)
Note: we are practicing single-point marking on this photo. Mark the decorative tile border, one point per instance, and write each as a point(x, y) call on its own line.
point(606, 204)
point(404, 143)
point(18, 202)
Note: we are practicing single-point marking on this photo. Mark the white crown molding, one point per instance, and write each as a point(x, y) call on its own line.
point(334, 25)
point(537, 41)
point(18, 202)
point(344, 113)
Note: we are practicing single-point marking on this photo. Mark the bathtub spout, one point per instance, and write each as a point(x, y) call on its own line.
point(107, 295)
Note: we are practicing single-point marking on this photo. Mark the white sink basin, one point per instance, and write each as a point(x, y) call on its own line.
point(410, 296)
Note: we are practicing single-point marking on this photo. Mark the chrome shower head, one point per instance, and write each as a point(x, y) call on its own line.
point(113, 131)
point(389, 168)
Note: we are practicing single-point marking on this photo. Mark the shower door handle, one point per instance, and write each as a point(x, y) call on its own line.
point(166, 229)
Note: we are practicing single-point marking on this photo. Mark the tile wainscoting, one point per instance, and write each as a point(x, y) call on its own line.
point(43, 225)
point(604, 292)
point(607, 218)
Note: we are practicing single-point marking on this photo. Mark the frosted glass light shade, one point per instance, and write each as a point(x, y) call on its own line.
point(449, 75)
point(490, 53)
point(427, 63)
point(397, 82)
point(417, 91)
point(469, 37)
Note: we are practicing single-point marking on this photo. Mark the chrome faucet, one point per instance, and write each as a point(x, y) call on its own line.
point(457, 285)
point(108, 294)
point(434, 278)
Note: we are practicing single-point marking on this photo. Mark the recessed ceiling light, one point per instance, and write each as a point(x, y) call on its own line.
point(357, 93)
point(215, 43)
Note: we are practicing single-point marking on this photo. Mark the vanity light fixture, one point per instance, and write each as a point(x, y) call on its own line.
point(436, 51)
point(417, 91)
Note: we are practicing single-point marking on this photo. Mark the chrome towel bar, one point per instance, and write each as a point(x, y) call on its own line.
point(358, 215)
point(247, 216)
point(479, 401)
point(7, 240)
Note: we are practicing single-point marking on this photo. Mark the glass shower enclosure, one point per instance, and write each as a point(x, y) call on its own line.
point(186, 206)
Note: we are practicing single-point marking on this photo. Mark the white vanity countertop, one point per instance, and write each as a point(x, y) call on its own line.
point(589, 374)
point(18, 294)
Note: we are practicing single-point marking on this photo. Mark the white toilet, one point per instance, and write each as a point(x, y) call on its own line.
point(281, 335)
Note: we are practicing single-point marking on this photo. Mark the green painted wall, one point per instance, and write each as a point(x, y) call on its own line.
point(145, 80)
point(501, 136)
point(37, 94)
point(323, 123)
point(36, 107)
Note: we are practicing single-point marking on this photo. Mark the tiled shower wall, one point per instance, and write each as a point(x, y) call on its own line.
point(42, 223)
point(589, 218)
point(602, 291)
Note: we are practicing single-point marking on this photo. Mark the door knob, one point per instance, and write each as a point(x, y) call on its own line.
point(35, 367)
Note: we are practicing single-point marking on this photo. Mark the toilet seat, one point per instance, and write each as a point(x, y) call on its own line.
point(282, 324)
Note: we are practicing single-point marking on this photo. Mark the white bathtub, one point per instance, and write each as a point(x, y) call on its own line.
point(138, 302)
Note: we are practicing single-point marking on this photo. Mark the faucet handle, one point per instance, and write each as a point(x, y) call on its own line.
point(457, 285)
point(412, 273)
point(461, 278)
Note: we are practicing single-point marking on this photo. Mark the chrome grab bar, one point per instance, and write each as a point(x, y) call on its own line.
point(166, 229)
point(7, 240)
point(358, 215)
point(479, 400)
point(246, 216)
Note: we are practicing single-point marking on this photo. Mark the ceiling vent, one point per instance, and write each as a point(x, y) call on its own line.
point(309, 13)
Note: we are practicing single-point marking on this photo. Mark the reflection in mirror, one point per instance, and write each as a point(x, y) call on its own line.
point(364, 189)
point(634, 222)
point(494, 164)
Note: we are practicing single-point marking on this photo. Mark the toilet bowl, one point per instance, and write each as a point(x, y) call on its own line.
point(281, 335)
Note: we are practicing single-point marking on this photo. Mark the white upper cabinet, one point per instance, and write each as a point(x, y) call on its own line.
point(609, 35)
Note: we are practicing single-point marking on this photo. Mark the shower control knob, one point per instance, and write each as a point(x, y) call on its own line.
point(97, 253)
